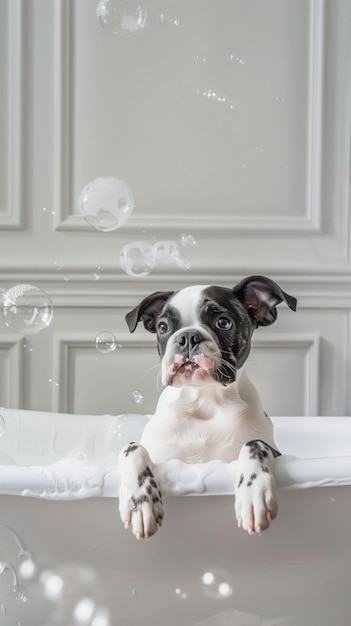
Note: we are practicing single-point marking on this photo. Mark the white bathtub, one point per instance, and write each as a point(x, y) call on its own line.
point(58, 512)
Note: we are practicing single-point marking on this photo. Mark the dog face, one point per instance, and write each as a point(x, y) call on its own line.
point(204, 332)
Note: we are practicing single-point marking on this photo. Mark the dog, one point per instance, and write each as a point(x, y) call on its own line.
point(208, 409)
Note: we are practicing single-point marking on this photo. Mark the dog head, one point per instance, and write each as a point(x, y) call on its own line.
point(204, 332)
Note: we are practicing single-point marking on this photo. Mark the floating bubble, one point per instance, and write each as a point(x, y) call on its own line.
point(97, 271)
point(137, 259)
point(216, 585)
point(105, 342)
point(106, 203)
point(101, 618)
point(27, 309)
point(58, 265)
point(137, 396)
point(19, 593)
point(2, 425)
point(181, 594)
point(84, 610)
point(188, 241)
point(27, 569)
point(165, 19)
point(165, 251)
point(53, 382)
point(125, 428)
point(121, 17)
point(182, 263)
point(53, 585)
point(47, 211)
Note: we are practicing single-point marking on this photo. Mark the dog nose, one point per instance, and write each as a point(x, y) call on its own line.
point(188, 339)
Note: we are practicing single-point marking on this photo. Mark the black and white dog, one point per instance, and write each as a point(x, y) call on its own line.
point(208, 409)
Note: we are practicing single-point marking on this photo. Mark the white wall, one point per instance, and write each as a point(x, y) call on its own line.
point(261, 180)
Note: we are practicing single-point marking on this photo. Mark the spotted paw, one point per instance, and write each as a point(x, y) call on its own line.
point(140, 499)
point(256, 492)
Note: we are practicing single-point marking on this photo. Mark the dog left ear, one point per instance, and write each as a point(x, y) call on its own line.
point(260, 295)
point(148, 311)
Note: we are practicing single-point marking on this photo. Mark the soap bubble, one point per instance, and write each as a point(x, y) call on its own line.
point(125, 428)
point(105, 342)
point(216, 585)
point(27, 569)
point(19, 593)
point(165, 19)
point(182, 263)
point(101, 618)
point(165, 251)
point(47, 211)
point(53, 585)
point(106, 203)
point(2, 425)
point(27, 309)
point(188, 241)
point(137, 396)
point(121, 17)
point(84, 610)
point(137, 259)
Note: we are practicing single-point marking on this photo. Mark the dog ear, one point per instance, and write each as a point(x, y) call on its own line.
point(260, 295)
point(148, 311)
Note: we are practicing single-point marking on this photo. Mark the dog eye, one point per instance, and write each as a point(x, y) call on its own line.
point(224, 323)
point(162, 327)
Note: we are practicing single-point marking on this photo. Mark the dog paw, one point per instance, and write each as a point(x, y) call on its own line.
point(256, 491)
point(255, 503)
point(140, 499)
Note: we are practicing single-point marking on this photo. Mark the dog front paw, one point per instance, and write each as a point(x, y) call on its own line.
point(140, 499)
point(256, 491)
point(255, 502)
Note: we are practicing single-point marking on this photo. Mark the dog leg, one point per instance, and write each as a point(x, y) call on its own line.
point(255, 494)
point(140, 500)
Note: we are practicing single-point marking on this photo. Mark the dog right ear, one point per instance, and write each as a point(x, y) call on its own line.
point(148, 311)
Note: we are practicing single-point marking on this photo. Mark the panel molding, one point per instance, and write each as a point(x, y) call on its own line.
point(311, 344)
point(329, 289)
point(65, 219)
point(63, 343)
point(12, 218)
point(14, 346)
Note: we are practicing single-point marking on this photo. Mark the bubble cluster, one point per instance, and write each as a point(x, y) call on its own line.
point(27, 309)
point(106, 203)
point(233, 58)
point(121, 17)
point(180, 593)
point(139, 257)
point(209, 94)
point(105, 342)
point(216, 585)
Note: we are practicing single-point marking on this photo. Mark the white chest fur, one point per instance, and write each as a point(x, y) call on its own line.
point(197, 424)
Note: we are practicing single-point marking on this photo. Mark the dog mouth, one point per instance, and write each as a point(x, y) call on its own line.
point(195, 367)
point(188, 368)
